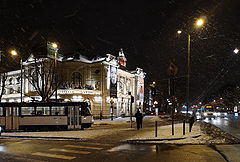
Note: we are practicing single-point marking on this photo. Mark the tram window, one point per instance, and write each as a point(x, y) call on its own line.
point(8, 111)
point(1, 111)
point(43, 110)
point(28, 111)
point(58, 110)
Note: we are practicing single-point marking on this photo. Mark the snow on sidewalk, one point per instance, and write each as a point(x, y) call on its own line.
point(106, 127)
point(88, 133)
point(164, 135)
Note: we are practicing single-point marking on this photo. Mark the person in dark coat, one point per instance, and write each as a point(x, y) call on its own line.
point(139, 118)
point(191, 121)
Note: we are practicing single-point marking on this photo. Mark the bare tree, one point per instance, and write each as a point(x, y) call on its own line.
point(43, 76)
point(3, 78)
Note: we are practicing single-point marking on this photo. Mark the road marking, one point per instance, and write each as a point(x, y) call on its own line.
point(84, 147)
point(70, 151)
point(57, 156)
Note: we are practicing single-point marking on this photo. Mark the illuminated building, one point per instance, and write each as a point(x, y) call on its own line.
point(91, 80)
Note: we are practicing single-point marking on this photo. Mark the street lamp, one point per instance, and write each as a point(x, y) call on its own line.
point(236, 51)
point(15, 53)
point(199, 22)
point(55, 46)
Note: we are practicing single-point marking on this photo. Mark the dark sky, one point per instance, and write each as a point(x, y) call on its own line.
point(146, 30)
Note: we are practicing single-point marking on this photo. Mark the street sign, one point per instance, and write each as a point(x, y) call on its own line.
point(172, 69)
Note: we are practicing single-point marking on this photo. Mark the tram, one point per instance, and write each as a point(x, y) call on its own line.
point(38, 116)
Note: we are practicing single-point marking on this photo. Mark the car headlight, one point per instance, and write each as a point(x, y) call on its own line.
point(205, 114)
point(215, 114)
point(225, 113)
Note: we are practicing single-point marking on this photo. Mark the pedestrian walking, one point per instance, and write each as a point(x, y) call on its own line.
point(139, 117)
point(191, 121)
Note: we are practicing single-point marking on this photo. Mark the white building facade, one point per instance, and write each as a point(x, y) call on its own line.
point(97, 81)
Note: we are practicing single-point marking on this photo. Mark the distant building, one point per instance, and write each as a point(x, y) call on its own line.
point(95, 81)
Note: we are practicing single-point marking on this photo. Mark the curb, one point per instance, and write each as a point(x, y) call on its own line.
point(45, 138)
point(164, 139)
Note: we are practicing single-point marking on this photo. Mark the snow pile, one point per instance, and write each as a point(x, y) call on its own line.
point(217, 134)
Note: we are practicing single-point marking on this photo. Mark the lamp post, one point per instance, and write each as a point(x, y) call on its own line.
point(199, 22)
point(14, 53)
point(55, 46)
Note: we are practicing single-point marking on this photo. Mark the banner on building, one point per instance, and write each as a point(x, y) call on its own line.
point(140, 88)
point(113, 81)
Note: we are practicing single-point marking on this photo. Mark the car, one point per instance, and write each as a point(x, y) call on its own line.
point(221, 114)
point(208, 115)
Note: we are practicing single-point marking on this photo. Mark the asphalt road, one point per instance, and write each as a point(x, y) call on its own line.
point(108, 148)
point(91, 151)
point(231, 124)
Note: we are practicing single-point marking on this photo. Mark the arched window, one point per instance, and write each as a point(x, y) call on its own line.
point(77, 80)
point(10, 81)
point(18, 80)
point(11, 90)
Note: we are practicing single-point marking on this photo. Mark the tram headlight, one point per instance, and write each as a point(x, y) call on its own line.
point(205, 114)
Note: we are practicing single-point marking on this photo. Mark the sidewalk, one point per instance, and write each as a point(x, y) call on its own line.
point(114, 127)
point(164, 135)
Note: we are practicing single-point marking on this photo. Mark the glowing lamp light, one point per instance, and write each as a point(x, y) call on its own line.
point(179, 31)
point(236, 51)
point(54, 45)
point(13, 52)
point(199, 22)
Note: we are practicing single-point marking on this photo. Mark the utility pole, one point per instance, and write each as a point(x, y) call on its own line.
point(172, 71)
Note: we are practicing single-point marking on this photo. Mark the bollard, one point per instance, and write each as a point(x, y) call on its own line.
point(172, 127)
point(189, 126)
point(183, 127)
point(155, 128)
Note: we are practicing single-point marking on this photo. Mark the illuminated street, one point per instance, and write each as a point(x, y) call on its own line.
point(120, 81)
point(230, 124)
point(107, 147)
point(28, 150)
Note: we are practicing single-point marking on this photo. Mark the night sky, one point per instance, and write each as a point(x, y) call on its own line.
point(146, 30)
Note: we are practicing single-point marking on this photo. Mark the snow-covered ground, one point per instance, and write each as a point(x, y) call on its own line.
point(108, 127)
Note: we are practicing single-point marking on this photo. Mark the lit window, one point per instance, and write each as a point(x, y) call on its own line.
point(58, 110)
point(43, 111)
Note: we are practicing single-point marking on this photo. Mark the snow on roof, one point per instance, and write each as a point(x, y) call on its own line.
point(84, 59)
